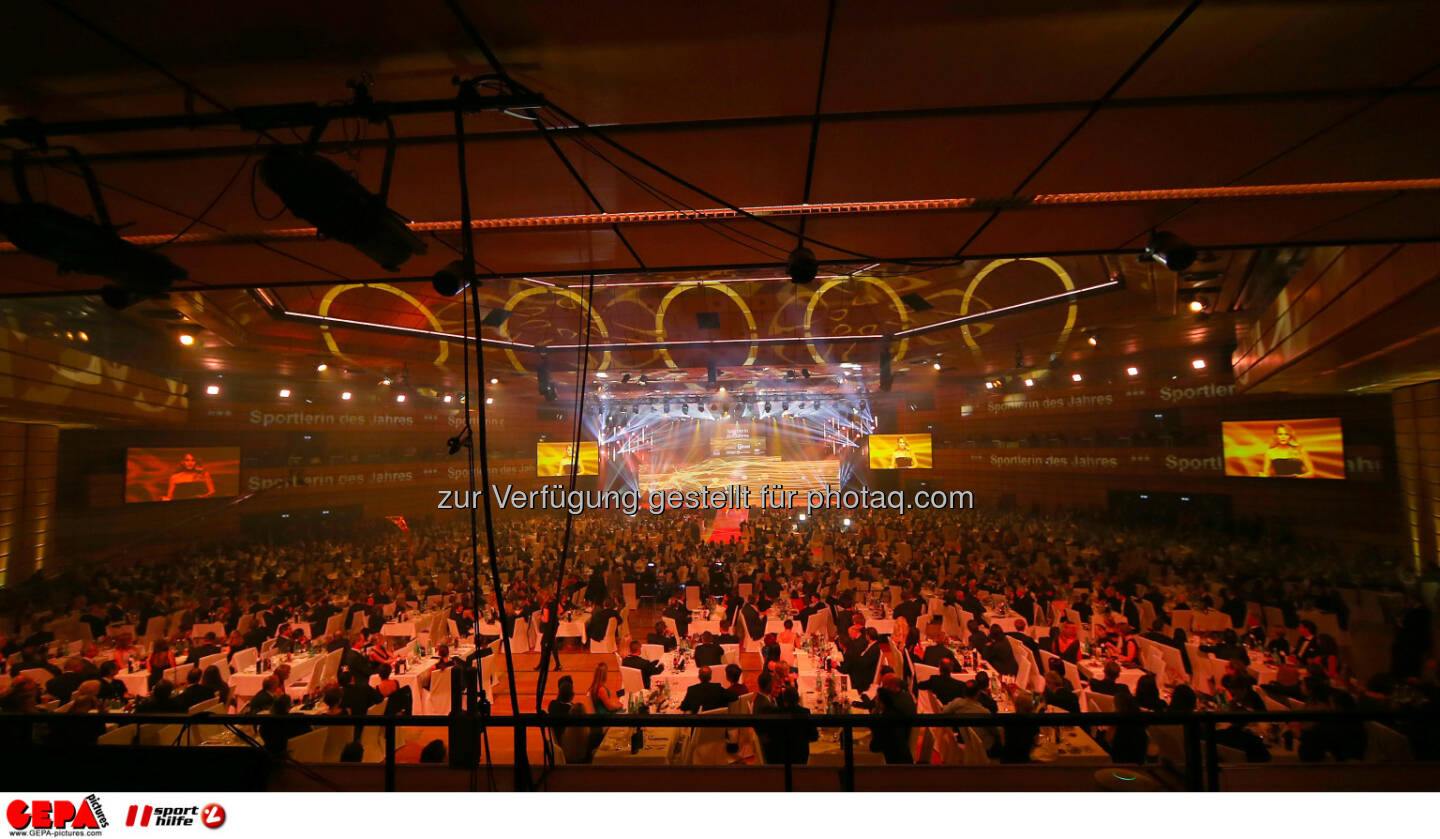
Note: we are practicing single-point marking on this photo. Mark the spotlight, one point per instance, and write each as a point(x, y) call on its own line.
point(936, 365)
point(489, 400)
point(802, 266)
point(213, 390)
point(187, 340)
point(84, 338)
point(494, 380)
point(1198, 364)
point(399, 397)
point(1132, 371)
point(82, 246)
point(625, 379)
point(1170, 250)
point(284, 393)
point(1029, 382)
point(1076, 377)
point(768, 407)
point(685, 408)
point(321, 367)
point(317, 190)
point(446, 399)
point(450, 280)
point(385, 381)
point(345, 395)
point(1197, 305)
point(989, 385)
point(1092, 339)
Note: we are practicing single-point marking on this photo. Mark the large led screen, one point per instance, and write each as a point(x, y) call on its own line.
point(176, 474)
point(1299, 448)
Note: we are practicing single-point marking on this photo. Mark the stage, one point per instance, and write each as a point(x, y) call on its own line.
point(755, 472)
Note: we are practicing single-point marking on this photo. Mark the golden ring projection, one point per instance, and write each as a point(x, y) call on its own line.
point(1072, 310)
point(724, 289)
point(528, 292)
point(336, 291)
point(878, 283)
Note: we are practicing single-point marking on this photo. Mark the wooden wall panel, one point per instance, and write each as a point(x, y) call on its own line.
point(1417, 455)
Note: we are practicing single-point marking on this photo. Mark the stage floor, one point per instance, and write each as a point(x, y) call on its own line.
point(755, 472)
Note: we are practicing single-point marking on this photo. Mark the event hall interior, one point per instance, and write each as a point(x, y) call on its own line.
point(918, 395)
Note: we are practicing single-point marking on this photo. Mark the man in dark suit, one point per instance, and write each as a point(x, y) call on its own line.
point(863, 665)
point(971, 603)
point(893, 741)
point(1109, 685)
point(708, 653)
point(353, 659)
point(194, 693)
point(810, 609)
point(910, 608)
point(1024, 604)
point(938, 652)
point(705, 695)
point(356, 697)
point(662, 636)
point(646, 667)
point(1059, 694)
point(1024, 638)
point(1305, 647)
point(944, 685)
point(210, 646)
point(600, 621)
point(678, 612)
point(999, 653)
point(63, 685)
point(754, 624)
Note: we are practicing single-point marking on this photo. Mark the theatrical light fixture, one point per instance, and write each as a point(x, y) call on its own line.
point(316, 189)
point(802, 266)
point(84, 246)
point(936, 365)
point(345, 395)
point(321, 367)
point(186, 339)
point(805, 372)
point(1170, 250)
point(1076, 377)
point(711, 373)
point(602, 375)
point(450, 280)
point(1198, 364)
point(1197, 305)
point(385, 381)
point(213, 390)
point(284, 393)
point(1132, 371)
point(1092, 339)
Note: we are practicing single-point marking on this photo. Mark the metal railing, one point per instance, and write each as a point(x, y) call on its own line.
point(1201, 771)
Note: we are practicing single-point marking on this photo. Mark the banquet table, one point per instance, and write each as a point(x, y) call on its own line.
point(1067, 744)
point(137, 683)
point(250, 681)
point(1094, 668)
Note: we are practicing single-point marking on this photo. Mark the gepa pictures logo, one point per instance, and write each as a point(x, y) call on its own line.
point(57, 817)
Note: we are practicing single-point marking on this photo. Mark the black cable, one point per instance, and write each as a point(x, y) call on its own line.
point(134, 53)
point(478, 440)
point(1090, 114)
point(589, 193)
point(815, 120)
point(216, 200)
point(553, 625)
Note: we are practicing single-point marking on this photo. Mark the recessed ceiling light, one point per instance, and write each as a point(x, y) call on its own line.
point(399, 397)
point(936, 365)
point(345, 395)
point(1029, 382)
point(1076, 377)
point(321, 367)
point(213, 390)
point(284, 393)
point(186, 339)
point(494, 381)
point(1197, 305)
point(1132, 371)
point(989, 385)
point(489, 400)
point(447, 399)
point(1198, 364)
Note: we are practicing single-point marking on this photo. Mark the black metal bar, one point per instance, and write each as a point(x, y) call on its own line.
point(789, 763)
point(389, 758)
point(847, 773)
point(1212, 759)
point(1194, 774)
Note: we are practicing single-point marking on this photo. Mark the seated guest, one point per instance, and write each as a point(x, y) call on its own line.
point(1278, 645)
point(111, 687)
point(726, 636)
point(1147, 694)
point(1019, 737)
point(704, 695)
point(787, 634)
point(1126, 742)
point(1127, 649)
point(443, 659)
point(765, 696)
point(910, 607)
point(1024, 638)
point(662, 636)
point(194, 692)
point(161, 700)
point(357, 696)
point(944, 685)
point(999, 652)
point(938, 652)
point(387, 683)
point(678, 612)
point(331, 699)
point(792, 740)
point(734, 687)
point(1067, 645)
point(1059, 693)
point(646, 667)
point(967, 703)
point(708, 653)
point(63, 685)
point(210, 646)
point(981, 684)
point(599, 622)
point(978, 637)
point(893, 741)
point(1109, 685)
point(814, 606)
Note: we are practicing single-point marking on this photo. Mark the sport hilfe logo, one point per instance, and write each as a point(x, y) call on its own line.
point(44, 814)
point(211, 816)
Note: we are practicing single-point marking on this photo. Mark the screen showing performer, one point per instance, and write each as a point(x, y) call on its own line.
point(1300, 448)
point(900, 451)
point(176, 474)
point(559, 459)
